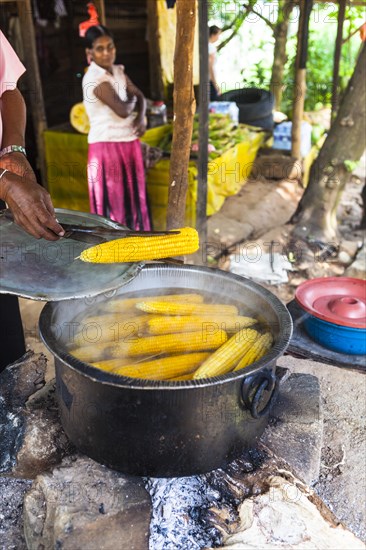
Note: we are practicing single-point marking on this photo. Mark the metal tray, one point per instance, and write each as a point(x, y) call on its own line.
point(48, 271)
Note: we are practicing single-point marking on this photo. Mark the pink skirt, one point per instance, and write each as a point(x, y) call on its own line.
point(116, 182)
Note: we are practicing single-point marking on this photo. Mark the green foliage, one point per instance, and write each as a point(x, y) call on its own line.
point(317, 130)
point(257, 47)
point(351, 165)
point(319, 74)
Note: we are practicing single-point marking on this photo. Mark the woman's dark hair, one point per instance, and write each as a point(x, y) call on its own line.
point(214, 30)
point(95, 32)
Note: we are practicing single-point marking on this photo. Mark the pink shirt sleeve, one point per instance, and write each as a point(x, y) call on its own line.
point(11, 68)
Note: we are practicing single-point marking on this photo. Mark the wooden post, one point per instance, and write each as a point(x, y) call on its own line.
point(337, 55)
point(156, 81)
point(300, 79)
point(184, 109)
point(99, 4)
point(204, 92)
point(34, 81)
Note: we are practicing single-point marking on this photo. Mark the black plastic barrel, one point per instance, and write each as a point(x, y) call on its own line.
point(255, 106)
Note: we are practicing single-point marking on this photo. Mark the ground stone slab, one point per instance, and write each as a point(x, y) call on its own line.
point(342, 480)
point(31, 435)
point(286, 517)
point(11, 513)
point(358, 268)
point(85, 505)
point(295, 433)
point(277, 166)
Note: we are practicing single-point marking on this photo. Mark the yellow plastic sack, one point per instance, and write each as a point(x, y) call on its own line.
point(226, 175)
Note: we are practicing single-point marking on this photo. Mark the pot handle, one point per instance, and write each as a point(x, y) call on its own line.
point(252, 390)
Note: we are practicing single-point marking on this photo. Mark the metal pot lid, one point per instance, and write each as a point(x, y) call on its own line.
point(48, 270)
point(338, 300)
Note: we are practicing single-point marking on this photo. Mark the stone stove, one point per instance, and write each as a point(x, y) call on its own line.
point(69, 501)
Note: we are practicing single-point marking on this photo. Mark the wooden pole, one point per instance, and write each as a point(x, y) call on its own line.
point(337, 55)
point(300, 79)
point(99, 4)
point(34, 81)
point(184, 109)
point(204, 93)
point(153, 34)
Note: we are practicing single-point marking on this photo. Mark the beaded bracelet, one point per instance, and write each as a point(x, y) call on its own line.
point(12, 149)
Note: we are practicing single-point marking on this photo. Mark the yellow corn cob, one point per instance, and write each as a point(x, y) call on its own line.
point(110, 365)
point(181, 308)
point(172, 343)
point(136, 249)
point(162, 368)
point(225, 358)
point(259, 348)
point(119, 305)
point(102, 319)
point(163, 324)
point(97, 352)
point(110, 328)
point(167, 343)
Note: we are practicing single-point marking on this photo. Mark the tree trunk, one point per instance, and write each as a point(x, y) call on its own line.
point(153, 34)
point(279, 54)
point(184, 109)
point(315, 217)
point(300, 78)
point(337, 55)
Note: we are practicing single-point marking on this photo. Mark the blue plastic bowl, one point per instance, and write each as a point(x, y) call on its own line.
point(336, 337)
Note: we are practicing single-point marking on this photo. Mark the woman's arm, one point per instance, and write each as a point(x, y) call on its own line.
point(105, 92)
point(30, 204)
point(139, 123)
point(136, 100)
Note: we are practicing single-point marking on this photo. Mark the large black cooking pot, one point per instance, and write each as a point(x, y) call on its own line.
point(167, 429)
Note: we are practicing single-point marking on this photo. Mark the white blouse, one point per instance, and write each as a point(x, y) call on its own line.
point(105, 125)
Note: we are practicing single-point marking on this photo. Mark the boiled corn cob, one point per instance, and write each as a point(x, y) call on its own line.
point(259, 348)
point(171, 343)
point(163, 368)
point(164, 324)
point(224, 359)
point(122, 304)
point(97, 352)
point(110, 365)
point(113, 364)
point(181, 308)
point(110, 329)
point(136, 249)
point(167, 343)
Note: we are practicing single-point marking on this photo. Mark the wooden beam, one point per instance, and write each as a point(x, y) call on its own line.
point(184, 109)
point(153, 35)
point(204, 93)
point(300, 78)
point(99, 4)
point(34, 81)
point(337, 56)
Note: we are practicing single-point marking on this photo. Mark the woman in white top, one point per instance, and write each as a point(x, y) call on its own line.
point(214, 35)
point(116, 110)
